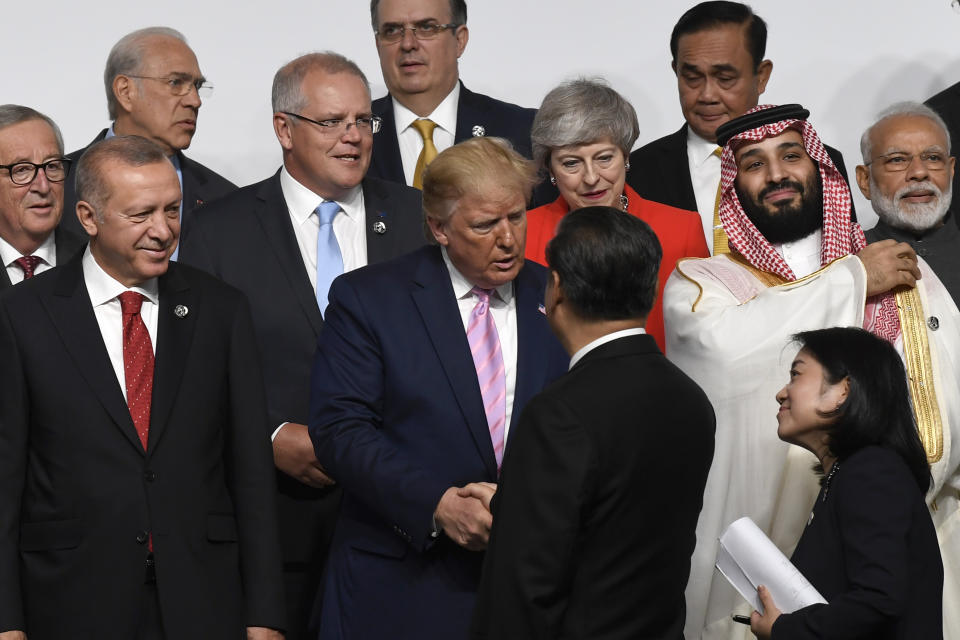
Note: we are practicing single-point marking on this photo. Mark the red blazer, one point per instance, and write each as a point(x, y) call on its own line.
point(679, 231)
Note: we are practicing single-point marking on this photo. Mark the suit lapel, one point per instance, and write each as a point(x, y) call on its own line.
point(274, 218)
point(174, 335)
point(68, 245)
point(4, 278)
point(469, 115)
point(192, 184)
point(72, 314)
point(434, 298)
point(386, 162)
point(532, 337)
point(676, 170)
point(380, 246)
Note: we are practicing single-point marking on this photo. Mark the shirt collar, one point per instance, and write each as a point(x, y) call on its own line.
point(46, 251)
point(610, 337)
point(302, 202)
point(698, 148)
point(102, 288)
point(462, 287)
point(445, 115)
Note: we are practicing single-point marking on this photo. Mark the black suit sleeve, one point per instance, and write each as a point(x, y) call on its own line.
point(874, 514)
point(531, 558)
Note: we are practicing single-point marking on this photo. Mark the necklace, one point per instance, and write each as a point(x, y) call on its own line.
point(826, 483)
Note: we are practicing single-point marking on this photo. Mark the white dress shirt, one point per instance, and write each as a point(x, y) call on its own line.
point(503, 306)
point(409, 139)
point(103, 291)
point(47, 252)
point(705, 176)
point(610, 337)
point(802, 256)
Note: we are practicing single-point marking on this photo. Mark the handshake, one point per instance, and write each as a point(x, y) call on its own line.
point(463, 514)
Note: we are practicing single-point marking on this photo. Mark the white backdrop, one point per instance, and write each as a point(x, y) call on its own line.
point(842, 60)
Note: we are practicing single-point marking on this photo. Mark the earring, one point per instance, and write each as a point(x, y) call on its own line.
point(553, 181)
point(627, 165)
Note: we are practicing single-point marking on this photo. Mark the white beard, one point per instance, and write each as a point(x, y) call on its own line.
point(911, 217)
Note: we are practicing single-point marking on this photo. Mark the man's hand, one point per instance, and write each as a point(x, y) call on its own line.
point(293, 454)
point(465, 520)
point(258, 633)
point(762, 625)
point(13, 635)
point(889, 264)
point(482, 491)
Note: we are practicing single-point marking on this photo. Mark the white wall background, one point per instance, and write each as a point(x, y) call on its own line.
point(842, 60)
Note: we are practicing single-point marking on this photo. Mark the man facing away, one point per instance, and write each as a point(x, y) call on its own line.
point(593, 526)
point(798, 263)
point(281, 242)
point(154, 88)
point(136, 490)
point(31, 195)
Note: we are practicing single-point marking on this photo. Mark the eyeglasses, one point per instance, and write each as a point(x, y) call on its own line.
point(180, 85)
point(896, 162)
point(334, 126)
point(25, 172)
point(391, 33)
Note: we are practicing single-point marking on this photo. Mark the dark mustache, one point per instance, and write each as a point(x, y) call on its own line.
point(783, 184)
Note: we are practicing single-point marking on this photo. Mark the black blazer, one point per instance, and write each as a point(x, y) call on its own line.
point(660, 171)
point(947, 105)
point(247, 240)
point(595, 517)
point(871, 551)
point(200, 185)
point(78, 494)
point(67, 246)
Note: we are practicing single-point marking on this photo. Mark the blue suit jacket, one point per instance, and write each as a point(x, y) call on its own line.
point(397, 417)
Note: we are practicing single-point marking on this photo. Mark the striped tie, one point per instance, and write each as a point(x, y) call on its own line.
point(488, 359)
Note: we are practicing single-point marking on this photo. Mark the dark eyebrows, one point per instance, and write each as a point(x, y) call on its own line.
point(755, 150)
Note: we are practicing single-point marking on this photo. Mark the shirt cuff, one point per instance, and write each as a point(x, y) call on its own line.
point(273, 436)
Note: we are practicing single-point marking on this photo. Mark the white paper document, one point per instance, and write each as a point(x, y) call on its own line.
point(748, 559)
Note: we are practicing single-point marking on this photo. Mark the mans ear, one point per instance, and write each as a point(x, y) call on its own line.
point(863, 180)
point(125, 92)
point(463, 35)
point(87, 217)
point(439, 230)
point(282, 127)
point(764, 69)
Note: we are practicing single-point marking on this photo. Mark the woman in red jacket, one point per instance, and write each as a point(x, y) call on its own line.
point(582, 136)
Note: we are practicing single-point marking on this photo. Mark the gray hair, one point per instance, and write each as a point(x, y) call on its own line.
point(126, 58)
point(132, 151)
point(896, 110)
point(458, 12)
point(582, 111)
point(287, 94)
point(11, 114)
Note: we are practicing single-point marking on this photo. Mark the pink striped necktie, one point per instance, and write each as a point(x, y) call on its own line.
point(491, 375)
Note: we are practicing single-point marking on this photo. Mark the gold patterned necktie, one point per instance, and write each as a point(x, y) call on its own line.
point(720, 243)
point(425, 128)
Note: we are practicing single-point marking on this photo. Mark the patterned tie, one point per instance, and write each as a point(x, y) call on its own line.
point(137, 363)
point(720, 243)
point(329, 258)
point(425, 128)
point(28, 264)
point(488, 359)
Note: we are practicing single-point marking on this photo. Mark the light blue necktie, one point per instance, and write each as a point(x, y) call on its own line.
point(329, 258)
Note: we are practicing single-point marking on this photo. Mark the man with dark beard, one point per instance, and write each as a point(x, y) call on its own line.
point(907, 175)
point(797, 262)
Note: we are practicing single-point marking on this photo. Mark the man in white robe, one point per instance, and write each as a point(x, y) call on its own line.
point(798, 263)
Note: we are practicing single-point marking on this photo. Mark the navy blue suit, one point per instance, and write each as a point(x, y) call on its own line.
point(396, 416)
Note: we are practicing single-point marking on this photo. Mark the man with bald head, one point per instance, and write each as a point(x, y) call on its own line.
point(154, 88)
point(31, 195)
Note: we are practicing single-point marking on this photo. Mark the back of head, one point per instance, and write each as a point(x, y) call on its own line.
point(458, 12)
point(468, 168)
point(287, 93)
point(582, 111)
point(132, 151)
point(126, 58)
point(11, 114)
point(607, 263)
point(715, 13)
point(877, 410)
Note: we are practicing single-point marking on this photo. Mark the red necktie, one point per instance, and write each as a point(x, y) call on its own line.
point(137, 363)
point(28, 264)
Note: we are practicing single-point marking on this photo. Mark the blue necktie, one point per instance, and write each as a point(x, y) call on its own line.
point(329, 258)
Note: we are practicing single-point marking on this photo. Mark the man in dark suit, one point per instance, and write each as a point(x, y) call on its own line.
point(136, 490)
point(593, 523)
point(717, 50)
point(419, 42)
point(423, 365)
point(263, 239)
point(31, 195)
point(154, 85)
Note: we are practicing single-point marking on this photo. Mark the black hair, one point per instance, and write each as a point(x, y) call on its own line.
point(715, 13)
point(877, 408)
point(607, 263)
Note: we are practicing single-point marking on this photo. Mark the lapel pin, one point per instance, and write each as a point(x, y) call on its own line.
point(199, 203)
point(380, 227)
point(542, 309)
point(934, 323)
point(479, 131)
point(180, 311)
